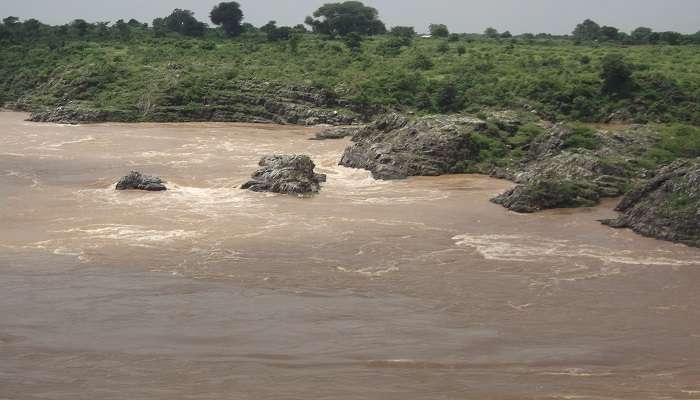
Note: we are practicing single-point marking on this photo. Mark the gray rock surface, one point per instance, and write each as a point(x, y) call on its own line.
point(287, 174)
point(338, 132)
point(137, 181)
point(667, 207)
point(396, 147)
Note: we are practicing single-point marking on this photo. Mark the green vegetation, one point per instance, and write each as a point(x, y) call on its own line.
point(179, 61)
point(582, 137)
point(563, 194)
point(676, 141)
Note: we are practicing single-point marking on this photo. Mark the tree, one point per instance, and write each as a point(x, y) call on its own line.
point(443, 48)
point(587, 30)
point(672, 38)
point(642, 35)
point(123, 30)
point(439, 30)
point(461, 50)
point(31, 28)
point(402, 36)
point(491, 33)
point(229, 16)
point(347, 17)
point(184, 23)
point(506, 35)
point(609, 33)
point(81, 27)
point(353, 41)
point(616, 74)
point(294, 42)
point(10, 21)
point(275, 33)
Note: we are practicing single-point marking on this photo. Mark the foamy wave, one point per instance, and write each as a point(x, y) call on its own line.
point(56, 146)
point(130, 233)
point(532, 248)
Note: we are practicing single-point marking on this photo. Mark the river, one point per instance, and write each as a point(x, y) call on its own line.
point(415, 289)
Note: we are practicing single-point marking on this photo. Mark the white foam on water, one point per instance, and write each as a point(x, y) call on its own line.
point(134, 234)
point(57, 146)
point(533, 248)
point(370, 271)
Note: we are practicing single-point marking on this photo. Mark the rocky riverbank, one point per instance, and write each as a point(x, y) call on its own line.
point(553, 165)
point(667, 207)
point(244, 101)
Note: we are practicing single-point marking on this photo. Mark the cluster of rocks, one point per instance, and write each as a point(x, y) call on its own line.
point(666, 207)
point(286, 174)
point(137, 181)
point(552, 174)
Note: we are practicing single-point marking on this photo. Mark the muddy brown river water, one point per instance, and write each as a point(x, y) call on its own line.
point(416, 289)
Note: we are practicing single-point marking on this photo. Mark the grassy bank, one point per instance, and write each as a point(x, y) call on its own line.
point(559, 79)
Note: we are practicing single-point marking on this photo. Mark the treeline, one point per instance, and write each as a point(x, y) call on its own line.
point(349, 18)
point(589, 30)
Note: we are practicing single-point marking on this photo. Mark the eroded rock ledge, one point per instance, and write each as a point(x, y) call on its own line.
point(667, 207)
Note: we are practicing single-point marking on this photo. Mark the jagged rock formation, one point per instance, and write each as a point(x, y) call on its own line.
point(396, 147)
point(137, 181)
point(579, 176)
point(667, 207)
point(287, 174)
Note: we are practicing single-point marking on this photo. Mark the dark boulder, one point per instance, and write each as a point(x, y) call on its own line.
point(287, 174)
point(667, 207)
point(137, 181)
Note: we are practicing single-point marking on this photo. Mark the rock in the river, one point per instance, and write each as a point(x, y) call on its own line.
point(137, 181)
point(337, 132)
point(288, 174)
point(396, 147)
point(543, 195)
point(667, 207)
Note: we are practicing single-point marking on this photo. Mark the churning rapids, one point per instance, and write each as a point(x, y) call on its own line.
point(416, 289)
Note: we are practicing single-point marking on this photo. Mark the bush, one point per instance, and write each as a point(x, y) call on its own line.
point(581, 137)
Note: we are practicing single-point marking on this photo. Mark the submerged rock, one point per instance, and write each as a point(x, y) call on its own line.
point(137, 181)
point(396, 147)
point(667, 207)
point(288, 174)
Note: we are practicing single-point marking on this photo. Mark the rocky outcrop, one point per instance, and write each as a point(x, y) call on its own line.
point(64, 115)
point(287, 174)
point(667, 207)
point(137, 181)
point(547, 194)
point(241, 101)
point(579, 176)
point(337, 132)
point(396, 147)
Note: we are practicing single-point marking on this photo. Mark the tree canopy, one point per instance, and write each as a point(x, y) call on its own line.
point(344, 18)
point(229, 16)
point(184, 23)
